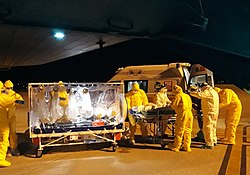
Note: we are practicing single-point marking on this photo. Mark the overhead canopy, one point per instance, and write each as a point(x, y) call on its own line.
point(27, 46)
point(222, 25)
point(214, 33)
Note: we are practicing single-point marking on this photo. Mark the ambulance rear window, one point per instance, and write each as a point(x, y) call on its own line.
point(143, 85)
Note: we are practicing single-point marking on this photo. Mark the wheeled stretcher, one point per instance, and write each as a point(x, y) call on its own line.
point(158, 121)
point(75, 113)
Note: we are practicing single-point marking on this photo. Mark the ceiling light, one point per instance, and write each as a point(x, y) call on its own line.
point(59, 35)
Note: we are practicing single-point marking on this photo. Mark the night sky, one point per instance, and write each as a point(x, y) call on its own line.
point(100, 65)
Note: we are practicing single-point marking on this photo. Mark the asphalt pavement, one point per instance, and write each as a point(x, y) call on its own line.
point(143, 158)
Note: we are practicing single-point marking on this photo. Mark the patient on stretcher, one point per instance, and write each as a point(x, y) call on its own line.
point(161, 98)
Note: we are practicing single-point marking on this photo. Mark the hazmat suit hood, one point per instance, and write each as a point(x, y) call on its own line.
point(177, 89)
point(135, 87)
point(163, 89)
point(204, 86)
point(217, 89)
point(8, 84)
point(193, 88)
point(60, 83)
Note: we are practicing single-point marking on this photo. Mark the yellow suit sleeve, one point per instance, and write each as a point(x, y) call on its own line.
point(225, 98)
point(176, 102)
point(144, 98)
point(6, 101)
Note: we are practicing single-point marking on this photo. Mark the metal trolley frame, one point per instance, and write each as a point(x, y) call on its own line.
point(158, 120)
point(60, 134)
point(76, 138)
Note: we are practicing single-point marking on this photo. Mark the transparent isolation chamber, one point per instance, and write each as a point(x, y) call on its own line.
point(55, 107)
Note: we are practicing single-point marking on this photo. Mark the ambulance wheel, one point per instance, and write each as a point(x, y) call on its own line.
point(39, 153)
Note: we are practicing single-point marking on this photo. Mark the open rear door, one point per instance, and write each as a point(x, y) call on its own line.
point(200, 74)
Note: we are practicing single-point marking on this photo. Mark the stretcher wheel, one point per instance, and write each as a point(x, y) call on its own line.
point(27, 134)
point(114, 147)
point(39, 153)
point(163, 145)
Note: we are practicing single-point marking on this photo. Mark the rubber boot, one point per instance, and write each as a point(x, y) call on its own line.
point(4, 163)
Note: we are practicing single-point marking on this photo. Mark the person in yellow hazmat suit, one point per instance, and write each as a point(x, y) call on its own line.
point(63, 95)
point(1, 85)
point(161, 100)
point(63, 102)
point(182, 104)
point(231, 102)
point(6, 101)
point(136, 98)
point(11, 112)
point(210, 109)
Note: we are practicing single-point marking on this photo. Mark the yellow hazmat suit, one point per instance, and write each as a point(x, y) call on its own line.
point(161, 98)
point(1, 85)
point(210, 109)
point(231, 102)
point(182, 104)
point(11, 112)
point(5, 102)
point(63, 96)
point(136, 97)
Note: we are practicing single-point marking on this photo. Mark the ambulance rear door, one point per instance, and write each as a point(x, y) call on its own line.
point(200, 74)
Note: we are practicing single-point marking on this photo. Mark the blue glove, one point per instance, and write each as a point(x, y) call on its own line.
point(131, 111)
point(19, 102)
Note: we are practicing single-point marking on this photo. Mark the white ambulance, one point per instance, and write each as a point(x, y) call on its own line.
point(150, 76)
